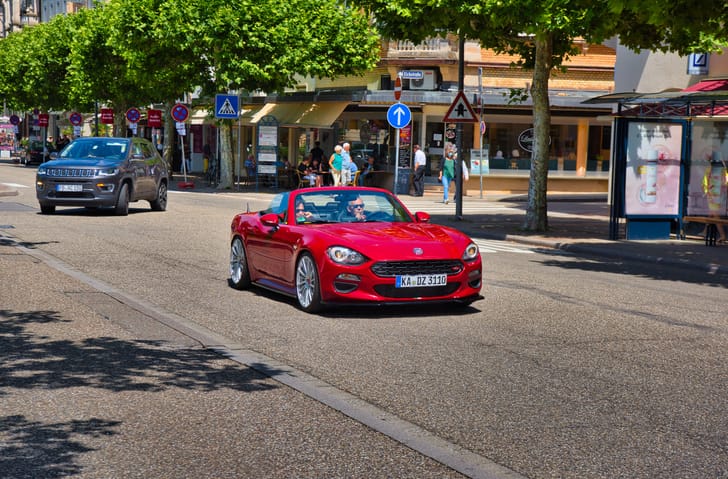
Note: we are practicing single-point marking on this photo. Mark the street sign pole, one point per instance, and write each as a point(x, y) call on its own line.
point(482, 132)
point(396, 161)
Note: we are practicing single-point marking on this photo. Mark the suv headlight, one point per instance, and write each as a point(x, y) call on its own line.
point(343, 255)
point(471, 252)
point(107, 171)
point(42, 170)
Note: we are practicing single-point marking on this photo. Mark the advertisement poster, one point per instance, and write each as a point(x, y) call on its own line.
point(707, 187)
point(652, 184)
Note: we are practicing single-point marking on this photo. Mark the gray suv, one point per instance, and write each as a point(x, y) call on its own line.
point(103, 172)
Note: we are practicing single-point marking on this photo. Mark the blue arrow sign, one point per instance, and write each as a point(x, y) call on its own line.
point(399, 115)
point(226, 107)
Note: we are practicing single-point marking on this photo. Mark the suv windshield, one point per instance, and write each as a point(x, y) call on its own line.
point(96, 148)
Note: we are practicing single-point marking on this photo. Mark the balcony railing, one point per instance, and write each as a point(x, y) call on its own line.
point(435, 48)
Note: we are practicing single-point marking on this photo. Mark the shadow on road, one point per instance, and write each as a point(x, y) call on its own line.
point(31, 360)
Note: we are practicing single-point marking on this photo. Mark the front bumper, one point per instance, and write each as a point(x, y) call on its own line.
point(95, 192)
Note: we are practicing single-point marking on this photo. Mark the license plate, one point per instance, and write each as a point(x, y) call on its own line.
point(75, 188)
point(420, 280)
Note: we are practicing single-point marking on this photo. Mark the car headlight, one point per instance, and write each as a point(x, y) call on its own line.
point(42, 170)
point(471, 252)
point(342, 255)
point(107, 171)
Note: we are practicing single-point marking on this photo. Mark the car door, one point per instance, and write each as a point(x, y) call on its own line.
point(139, 166)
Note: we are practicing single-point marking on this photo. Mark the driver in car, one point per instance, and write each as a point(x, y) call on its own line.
point(355, 209)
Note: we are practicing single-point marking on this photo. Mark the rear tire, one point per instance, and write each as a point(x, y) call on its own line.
point(308, 287)
point(122, 204)
point(160, 202)
point(239, 272)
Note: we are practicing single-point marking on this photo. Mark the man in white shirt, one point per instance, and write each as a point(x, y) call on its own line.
point(418, 181)
point(345, 164)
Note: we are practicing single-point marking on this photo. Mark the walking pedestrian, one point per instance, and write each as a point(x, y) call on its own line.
point(447, 173)
point(418, 181)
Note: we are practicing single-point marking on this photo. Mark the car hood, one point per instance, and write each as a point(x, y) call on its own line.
point(399, 240)
point(82, 162)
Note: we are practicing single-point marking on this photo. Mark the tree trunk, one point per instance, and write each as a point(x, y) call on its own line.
point(168, 150)
point(226, 156)
point(536, 211)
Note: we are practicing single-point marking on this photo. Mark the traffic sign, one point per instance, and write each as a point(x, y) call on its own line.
point(399, 115)
point(397, 88)
point(226, 107)
point(180, 112)
point(75, 118)
point(460, 111)
point(14, 120)
point(43, 119)
point(133, 115)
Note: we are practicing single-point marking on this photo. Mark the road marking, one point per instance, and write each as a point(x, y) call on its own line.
point(498, 246)
point(16, 185)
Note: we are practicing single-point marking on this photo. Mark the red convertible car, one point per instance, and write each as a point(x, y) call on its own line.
point(337, 245)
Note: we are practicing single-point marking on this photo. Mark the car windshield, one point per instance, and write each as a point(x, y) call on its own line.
point(96, 148)
point(348, 206)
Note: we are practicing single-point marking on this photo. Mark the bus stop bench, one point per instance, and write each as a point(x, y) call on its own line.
point(711, 222)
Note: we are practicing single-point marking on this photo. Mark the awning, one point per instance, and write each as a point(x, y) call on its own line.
point(709, 85)
point(302, 115)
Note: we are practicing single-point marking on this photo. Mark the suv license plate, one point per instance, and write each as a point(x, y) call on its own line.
point(420, 280)
point(74, 188)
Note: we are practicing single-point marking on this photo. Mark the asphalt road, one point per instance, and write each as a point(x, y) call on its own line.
point(569, 367)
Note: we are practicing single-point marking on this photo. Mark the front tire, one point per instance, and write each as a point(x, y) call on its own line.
point(160, 202)
point(47, 209)
point(122, 204)
point(239, 272)
point(308, 287)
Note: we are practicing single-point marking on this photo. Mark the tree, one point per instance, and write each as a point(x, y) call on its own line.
point(542, 34)
point(263, 44)
point(35, 62)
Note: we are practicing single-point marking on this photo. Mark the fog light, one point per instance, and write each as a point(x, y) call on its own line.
point(39, 185)
point(349, 277)
point(346, 282)
point(105, 187)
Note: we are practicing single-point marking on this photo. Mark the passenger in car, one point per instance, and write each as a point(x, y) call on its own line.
point(302, 215)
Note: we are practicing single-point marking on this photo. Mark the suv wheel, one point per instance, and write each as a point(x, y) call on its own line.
point(160, 202)
point(47, 209)
point(122, 204)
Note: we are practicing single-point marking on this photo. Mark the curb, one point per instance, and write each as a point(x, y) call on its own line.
point(6, 190)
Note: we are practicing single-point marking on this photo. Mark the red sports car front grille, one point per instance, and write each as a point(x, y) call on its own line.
point(390, 269)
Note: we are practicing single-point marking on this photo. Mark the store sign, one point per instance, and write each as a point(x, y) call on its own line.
point(107, 116)
point(154, 118)
point(526, 140)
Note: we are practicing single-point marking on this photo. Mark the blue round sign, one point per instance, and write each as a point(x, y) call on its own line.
point(133, 115)
point(399, 115)
point(76, 118)
point(14, 119)
point(180, 112)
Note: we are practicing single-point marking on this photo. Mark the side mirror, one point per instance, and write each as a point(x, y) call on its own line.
point(270, 219)
point(422, 217)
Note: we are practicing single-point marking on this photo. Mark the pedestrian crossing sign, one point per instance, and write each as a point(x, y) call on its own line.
point(226, 107)
point(460, 111)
